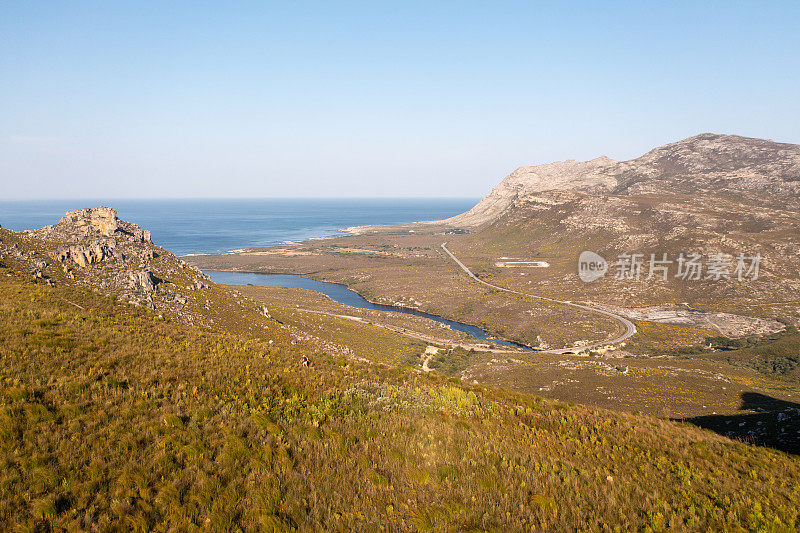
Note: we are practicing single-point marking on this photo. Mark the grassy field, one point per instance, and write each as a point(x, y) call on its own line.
point(362, 340)
point(113, 418)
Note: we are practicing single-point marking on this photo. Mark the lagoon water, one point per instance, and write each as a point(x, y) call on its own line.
point(340, 293)
point(217, 226)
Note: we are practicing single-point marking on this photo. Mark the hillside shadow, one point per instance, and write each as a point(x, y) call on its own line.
point(771, 422)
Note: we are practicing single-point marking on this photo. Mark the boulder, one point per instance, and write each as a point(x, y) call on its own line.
point(144, 280)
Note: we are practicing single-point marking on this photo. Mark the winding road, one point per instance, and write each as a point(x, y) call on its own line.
point(630, 328)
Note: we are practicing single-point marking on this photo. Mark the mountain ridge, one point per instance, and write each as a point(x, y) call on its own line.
point(707, 162)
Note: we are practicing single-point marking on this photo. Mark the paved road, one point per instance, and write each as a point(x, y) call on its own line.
point(630, 328)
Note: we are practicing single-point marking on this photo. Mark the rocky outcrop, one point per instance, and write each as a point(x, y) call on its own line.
point(95, 222)
point(86, 255)
point(93, 235)
point(93, 248)
point(143, 280)
point(103, 251)
point(96, 219)
point(764, 172)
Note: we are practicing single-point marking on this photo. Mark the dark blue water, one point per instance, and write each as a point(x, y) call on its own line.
point(340, 293)
point(217, 226)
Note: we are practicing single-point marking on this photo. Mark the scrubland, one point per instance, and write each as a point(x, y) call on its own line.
point(113, 418)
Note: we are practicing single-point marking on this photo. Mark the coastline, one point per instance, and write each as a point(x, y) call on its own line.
point(188, 227)
point(410, 226)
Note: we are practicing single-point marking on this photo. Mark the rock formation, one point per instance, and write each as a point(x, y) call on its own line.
point(143, 280)
point(94, 235)
point(100, 219)
point(96, 248)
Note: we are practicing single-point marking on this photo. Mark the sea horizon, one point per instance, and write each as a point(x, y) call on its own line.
point(196, 226)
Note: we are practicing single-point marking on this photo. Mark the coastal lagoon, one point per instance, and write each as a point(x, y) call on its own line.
point(342, 294)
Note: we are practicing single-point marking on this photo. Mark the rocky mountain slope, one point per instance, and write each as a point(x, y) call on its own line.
point(764, 172)
point(97, 249)
point(94, 249)
point(716, 196)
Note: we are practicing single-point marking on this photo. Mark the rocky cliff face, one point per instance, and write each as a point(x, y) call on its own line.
point(100, 219)
point(95, 248)
point(764, 172)
point(93, 227)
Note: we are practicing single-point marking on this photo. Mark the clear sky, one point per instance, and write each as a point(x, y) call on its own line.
point(237, 99)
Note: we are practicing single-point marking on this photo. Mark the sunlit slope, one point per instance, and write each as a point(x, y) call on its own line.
point(111, 417)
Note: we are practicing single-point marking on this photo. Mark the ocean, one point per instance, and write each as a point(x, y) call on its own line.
point(216, 226)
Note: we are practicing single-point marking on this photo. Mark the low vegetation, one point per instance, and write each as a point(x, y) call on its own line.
point(777, 355)
point(653, 338)
point(114, 418)
point(452, 361)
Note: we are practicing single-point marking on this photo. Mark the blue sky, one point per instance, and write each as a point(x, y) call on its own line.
point(238, 99)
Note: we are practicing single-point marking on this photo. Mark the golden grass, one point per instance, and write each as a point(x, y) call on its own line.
point(114, 419)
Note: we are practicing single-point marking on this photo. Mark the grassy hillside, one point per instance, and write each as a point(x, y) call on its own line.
point(113, 418)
